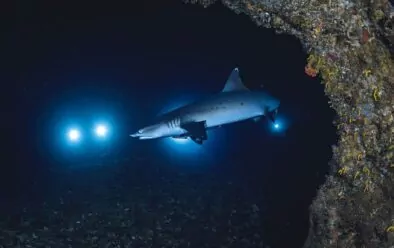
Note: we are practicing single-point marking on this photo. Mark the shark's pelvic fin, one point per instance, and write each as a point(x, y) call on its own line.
point(257, 119)
point(234, 82)
point(196, 131)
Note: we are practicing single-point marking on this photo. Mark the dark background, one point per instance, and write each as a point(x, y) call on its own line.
point(71, 61)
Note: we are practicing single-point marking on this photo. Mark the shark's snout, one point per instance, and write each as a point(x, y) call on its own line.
point(137, 134)
point(149, 132)
point(134, 135)
point(141, 136)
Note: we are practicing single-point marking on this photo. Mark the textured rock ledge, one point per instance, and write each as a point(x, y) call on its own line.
point(350, 47)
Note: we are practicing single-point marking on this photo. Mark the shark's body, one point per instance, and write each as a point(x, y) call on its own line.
point(233, 104)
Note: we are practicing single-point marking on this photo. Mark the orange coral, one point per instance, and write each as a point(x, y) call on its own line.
point(310, 71)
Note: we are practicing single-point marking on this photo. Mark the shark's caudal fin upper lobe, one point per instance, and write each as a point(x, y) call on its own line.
point(234, 82)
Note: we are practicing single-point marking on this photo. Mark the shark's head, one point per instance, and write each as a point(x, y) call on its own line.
point(151, 132)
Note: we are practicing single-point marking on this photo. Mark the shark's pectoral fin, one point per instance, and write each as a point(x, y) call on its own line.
point(196, 131)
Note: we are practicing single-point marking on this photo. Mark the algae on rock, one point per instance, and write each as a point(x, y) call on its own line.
point(350, 46)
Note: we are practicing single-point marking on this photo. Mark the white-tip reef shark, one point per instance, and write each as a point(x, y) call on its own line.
point(233, 104)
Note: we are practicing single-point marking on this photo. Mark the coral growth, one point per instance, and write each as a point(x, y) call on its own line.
point(350, 46)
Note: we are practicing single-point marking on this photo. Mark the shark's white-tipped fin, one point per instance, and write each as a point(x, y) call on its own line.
point(234, 82)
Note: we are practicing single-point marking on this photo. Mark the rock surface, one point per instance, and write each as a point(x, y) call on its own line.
point(350, 47)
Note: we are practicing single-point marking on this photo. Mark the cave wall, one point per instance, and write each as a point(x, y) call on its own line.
point(350, 47)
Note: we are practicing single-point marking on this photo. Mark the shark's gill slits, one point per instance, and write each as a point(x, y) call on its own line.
point(174, 123)
point(178, 121)
point(171, 124)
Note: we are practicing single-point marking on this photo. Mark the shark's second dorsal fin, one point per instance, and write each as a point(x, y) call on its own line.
point(234, 82)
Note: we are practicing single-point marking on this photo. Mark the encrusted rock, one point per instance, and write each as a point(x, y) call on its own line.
point(350, 46)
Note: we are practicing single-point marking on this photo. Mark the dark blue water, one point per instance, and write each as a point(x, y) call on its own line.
point(247, 187)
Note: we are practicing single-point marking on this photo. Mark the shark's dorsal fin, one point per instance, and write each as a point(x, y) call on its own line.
point(234, 82)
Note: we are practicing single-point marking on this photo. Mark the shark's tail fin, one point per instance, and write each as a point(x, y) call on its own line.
point(271, 114)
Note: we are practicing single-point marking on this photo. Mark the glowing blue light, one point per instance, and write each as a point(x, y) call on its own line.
point(101, 130)
point(276, 127)
point(280, 125)
point(74, 135)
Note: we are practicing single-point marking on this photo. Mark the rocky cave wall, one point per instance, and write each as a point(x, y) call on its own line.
point(350, 47)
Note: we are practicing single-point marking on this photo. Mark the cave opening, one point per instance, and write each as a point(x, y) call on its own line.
point(138, 58)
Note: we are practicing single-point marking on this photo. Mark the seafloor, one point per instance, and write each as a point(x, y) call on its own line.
point(143, 205)
point(350, 47)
